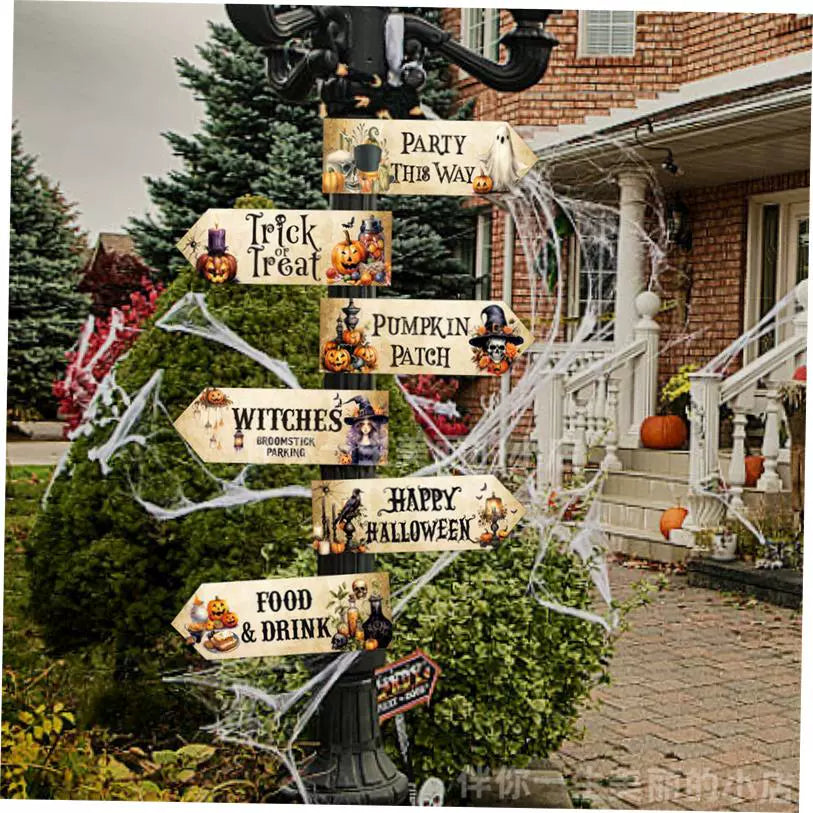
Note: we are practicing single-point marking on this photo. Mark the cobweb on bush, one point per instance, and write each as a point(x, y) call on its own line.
point(272, 720)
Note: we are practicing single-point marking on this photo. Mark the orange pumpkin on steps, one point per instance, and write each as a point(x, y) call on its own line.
point(663, 432)
point(671, 519)
point(754, 466)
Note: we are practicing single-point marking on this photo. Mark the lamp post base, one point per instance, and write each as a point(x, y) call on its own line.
point(352, 767)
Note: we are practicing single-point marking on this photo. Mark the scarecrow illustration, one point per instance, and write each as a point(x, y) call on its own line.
point(495, 343)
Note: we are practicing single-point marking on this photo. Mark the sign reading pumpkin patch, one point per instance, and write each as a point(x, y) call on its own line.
point(266, 617)
point(409, 514)
point(235, 425)
point(444, 337)
point(291, 247)
point(422, 157)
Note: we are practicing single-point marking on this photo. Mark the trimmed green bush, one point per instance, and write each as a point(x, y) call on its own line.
point(102, 569)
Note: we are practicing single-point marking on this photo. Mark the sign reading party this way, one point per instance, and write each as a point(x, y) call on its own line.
point(422, 157)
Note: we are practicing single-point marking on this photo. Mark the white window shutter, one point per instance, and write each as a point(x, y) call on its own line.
point(607, 33)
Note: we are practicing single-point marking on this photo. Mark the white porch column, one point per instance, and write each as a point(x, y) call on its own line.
point(630, 281)
point(631, 278)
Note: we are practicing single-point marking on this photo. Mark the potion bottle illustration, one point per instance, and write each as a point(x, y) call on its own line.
point(377, 626)
point(352, 616)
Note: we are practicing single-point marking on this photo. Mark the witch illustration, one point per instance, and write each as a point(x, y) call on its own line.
point(367, 438)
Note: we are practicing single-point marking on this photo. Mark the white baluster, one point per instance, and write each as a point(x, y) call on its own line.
point(600, 411)
point(770, 480)
point(592, 414)
point(549, 431)
point(611, 461)
point(579, 459)
point(736, 468)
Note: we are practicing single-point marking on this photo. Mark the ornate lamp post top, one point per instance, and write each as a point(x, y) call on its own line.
point(370, 58)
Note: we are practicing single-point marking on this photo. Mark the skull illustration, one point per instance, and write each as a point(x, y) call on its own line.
point(360, 589)
point(496, 349)
point(342, 161)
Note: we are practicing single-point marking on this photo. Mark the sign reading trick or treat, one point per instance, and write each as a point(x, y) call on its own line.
point(283, 426)
point(265, 617)
point(408, 336)
point(291, 247)
point(422, 157)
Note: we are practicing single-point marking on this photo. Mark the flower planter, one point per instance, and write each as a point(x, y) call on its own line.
point(724, 547)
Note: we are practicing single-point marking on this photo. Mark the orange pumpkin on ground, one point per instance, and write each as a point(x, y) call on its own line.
point(754, 466)
point(663, 432)
point(346, 256)
point(671, 519)
point(337, 359)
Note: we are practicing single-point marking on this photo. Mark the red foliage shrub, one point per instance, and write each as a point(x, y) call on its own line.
point(100, 343)
point(436, 390)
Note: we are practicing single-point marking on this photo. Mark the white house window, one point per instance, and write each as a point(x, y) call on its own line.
point(606, 33)
point(592, 276)
point(778, 244)
point(476, 256)
point(480, 31)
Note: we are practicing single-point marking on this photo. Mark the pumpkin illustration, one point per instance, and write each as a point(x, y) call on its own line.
point(347, 255)
point(370, 644)
point(352, 337)
point(482, 183)
point(337, 359)
point(332, 181)
point(216, 608)
point(229, 620)
point(337, 547)
point(663, 432)
point(671, 519)
point(216, 397)
point(754, 466)
point(367, 354)
point(217, 268)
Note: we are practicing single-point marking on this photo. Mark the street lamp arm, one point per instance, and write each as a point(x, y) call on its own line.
point(528, 46)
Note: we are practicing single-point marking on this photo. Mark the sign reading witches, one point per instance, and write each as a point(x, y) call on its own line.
point(405, 336)
point(293, 247)
point(250, 619)
point(233, 425)
point(422, 157)
point(405, 683)
point(412, 514)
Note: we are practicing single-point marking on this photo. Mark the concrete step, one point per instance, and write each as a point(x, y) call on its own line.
point(637, 513)
point(656, 461)
point(643, 544)
point(634, 485)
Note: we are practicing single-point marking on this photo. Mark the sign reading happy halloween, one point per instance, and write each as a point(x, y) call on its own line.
point(422, 157)
point(407, 336)
point(291, 247)
point(265, 617)
point(408, 514)
point(234, 425)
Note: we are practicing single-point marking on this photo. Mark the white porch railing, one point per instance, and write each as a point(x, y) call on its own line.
point(581, 406)
point(751, 390)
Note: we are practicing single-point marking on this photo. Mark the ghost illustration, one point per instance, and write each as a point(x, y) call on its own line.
point(500, 163)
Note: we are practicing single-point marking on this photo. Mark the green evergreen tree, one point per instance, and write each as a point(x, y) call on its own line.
point(45, 307)
point(252, 142)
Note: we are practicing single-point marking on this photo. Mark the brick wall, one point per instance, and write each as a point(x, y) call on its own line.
point(671, 48)
point(717, 266)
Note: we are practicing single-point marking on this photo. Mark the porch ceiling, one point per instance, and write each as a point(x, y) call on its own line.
point(735, 137)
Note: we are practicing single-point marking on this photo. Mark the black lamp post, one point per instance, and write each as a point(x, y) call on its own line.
point(374, 54)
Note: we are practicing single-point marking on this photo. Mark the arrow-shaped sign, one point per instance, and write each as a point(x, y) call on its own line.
point(406, 336)
point(236, 425)
point(405, 683)
point(422, 157)
point(408, 514)
point(265, 617)
point(291, 247)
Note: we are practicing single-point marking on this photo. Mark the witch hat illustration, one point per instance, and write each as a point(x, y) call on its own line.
point(494, 320)
point(365, 412)
point(367, 157)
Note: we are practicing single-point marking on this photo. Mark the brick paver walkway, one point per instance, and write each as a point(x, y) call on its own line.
point(703, 709)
